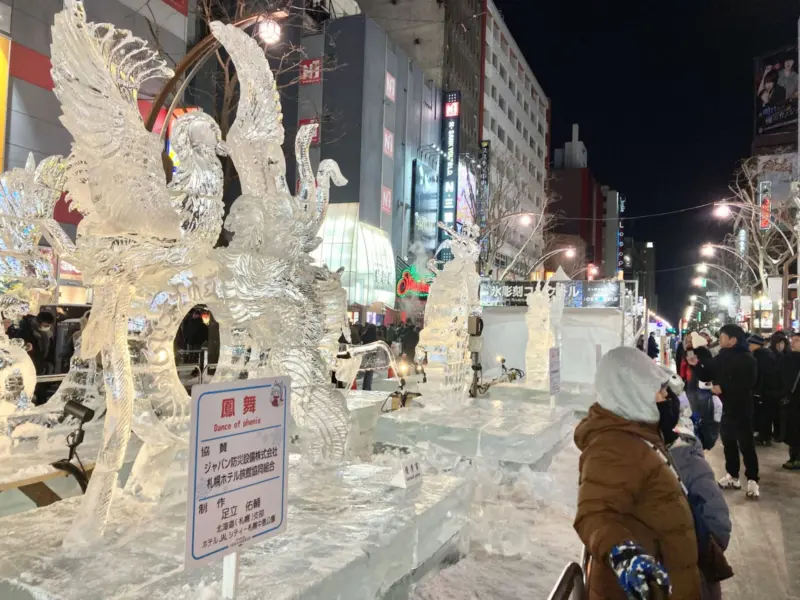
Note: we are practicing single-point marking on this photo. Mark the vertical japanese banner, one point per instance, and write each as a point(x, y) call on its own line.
point(448, 176)
point(237, 466)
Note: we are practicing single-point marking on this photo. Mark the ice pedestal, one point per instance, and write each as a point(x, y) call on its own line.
point(577, 398)
point(495, 430)
point(349, 537)
point(365, 408)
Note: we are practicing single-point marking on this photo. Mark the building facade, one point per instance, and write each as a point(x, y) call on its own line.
point(380, 119)
point(444, 39)
point(515, 119)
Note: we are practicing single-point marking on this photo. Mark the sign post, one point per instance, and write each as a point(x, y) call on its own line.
point(555, 375)
point(237, 471)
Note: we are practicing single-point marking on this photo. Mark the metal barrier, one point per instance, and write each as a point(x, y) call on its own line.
point(574, 580)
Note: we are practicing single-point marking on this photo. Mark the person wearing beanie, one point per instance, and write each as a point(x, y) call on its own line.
point(734, 373)
point(767, 393)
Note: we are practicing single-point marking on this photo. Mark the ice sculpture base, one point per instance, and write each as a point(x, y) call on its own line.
point(576, 398)
point(350, 537)
point(365, 408)
point(506, 430)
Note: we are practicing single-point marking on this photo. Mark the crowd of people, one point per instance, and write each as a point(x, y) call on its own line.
point(650, 512)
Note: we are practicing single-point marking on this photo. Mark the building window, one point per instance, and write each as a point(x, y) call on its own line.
point(494, 126)
point(542, 105)
point(497, 33)
point(494, 93)
point(502, 103)
point(510, 114)
point(510, 143)
point(541, 129)
point(512, 87)
point(538, 177)
point(519, 96)
point(485, 116)
point(517, 154)
point(501, 135)
point(525, 134)
point(538, 202)
point(526, 107)
point(540, 153)
point(519, 125)
point(494, 60)
point(503, 74)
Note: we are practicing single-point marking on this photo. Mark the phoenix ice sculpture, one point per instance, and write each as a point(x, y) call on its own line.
point(271, 283)
point(452, 299)
point(131, 236)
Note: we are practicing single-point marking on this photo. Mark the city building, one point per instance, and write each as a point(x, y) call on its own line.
point(381, 120)
point(639, 264)
point(515, 120)
point(613, 230)
point(29, 115)
point(444, 39)
point(579, 201)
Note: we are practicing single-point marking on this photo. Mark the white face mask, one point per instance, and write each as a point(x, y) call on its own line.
point(44, 328)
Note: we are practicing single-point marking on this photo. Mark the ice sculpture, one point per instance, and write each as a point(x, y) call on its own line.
point(543, 320)
point(130, 240)
point(271, 283)
point(26, 273)
point(452, 299)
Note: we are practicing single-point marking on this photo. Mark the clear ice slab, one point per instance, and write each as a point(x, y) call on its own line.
point(508, 431)
point(349, 537)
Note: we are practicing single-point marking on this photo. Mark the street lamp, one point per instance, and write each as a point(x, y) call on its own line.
point(722, 211)
point(693, 298)
point(707, 250)
point(269, 32)
point(568, 252)
point(697, 282)
point(526, 220)
point(702, 268)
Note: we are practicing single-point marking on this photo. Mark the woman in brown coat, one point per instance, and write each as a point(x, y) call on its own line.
point(632, 513)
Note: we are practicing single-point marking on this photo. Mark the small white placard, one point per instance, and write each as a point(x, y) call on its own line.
point(237, 466)
point(555, 371)
point(410, 474)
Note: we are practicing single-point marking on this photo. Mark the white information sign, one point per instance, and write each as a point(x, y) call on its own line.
point(237, 466)
point(555, 371)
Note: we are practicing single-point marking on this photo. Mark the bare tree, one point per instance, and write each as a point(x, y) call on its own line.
point(770, 234)
point(506, 212)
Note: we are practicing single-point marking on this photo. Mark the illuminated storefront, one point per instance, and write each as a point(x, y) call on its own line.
point(364, 251)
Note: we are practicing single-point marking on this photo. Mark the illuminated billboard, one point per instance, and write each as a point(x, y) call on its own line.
point(448, 176)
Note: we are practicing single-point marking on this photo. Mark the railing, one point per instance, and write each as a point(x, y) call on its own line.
point(572, 584)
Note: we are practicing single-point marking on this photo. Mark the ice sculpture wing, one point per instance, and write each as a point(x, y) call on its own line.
point(258, 114)
point(115, 173)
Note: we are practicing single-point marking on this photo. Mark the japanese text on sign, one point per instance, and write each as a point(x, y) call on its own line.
point(237, 466)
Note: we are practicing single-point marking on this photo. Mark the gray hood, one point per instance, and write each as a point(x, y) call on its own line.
point(627, 382)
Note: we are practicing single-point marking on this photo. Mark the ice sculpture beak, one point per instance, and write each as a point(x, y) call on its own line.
point(222, 149)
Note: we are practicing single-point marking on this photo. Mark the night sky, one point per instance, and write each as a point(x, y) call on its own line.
point(663, 93)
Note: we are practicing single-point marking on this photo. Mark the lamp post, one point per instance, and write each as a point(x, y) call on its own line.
point(569, 252)
point(707, 250)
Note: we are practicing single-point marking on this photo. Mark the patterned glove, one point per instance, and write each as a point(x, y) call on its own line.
point(638, 572)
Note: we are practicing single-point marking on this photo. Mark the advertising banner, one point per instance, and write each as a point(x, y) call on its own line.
point(764, 205)
point(424, 205)
point(578, 294)
point(776, 92)
point(448, 176)
point(310, 71)
point(779, 171)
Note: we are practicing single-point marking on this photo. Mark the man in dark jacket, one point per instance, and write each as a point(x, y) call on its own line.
point(410, 341)
point(790, 384)
point(37, 332)
point(652, 346)
point(733, 372)
point(370, 336)
point(767, 392)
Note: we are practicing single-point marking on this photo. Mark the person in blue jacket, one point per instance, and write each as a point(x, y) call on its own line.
point(704, 493)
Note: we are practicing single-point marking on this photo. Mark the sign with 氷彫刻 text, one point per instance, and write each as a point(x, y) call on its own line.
point(237, 466)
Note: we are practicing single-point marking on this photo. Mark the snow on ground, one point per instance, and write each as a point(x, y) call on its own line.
point(522, 537)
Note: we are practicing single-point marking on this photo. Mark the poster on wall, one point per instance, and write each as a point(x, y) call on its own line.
point(776, 92)
point(424, 206)
point(182, 6)
point(310, 71)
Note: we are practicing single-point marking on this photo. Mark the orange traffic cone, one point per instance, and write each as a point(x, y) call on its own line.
point(354, 386)
point(390, 375)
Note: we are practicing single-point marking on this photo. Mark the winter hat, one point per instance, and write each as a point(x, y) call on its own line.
point(627, 382)
point(756, 339)
point(698, 341)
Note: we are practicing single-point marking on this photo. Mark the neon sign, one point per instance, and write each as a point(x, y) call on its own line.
point(412, 283)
